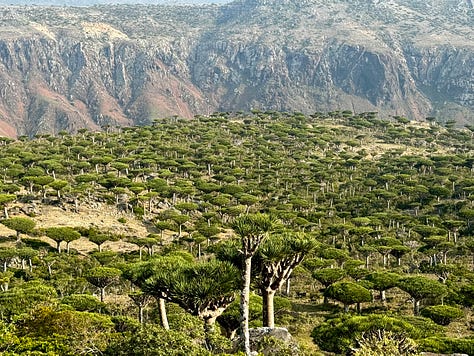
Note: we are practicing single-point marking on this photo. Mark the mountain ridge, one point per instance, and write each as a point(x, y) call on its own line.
point(67, 68)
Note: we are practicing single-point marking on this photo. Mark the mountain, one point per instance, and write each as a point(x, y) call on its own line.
point(105, 2)
point(65, 68)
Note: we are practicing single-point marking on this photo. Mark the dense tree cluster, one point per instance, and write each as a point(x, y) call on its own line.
point(375, 216)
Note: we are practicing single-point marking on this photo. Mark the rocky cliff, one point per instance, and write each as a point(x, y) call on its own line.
point(65, 68)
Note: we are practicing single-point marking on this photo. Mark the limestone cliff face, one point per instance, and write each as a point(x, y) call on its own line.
point(69, 68)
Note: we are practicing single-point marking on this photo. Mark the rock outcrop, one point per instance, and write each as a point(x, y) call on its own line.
point(66, 68)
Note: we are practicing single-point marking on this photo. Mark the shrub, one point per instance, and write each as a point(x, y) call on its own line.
point(340, 334)
point(155, 341)
point(382, 342)
point(84, 302)
point(447, 345)
point(442, 314)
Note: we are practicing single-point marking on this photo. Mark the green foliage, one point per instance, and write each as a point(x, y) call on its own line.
point(328, 276)
point(383, 280)
point(83, 302)
point(445, 345)
point(102, 276)
point(80, 331)
point(270, 345)
point(155, 341)
point(196, 287)
point(348, 293)
point(340, 334)
point(392, 190)
point(60, 234)
point(442, 314)
point(420, 287)
point(19, 224)
point(379, 342)
point(230, 318)
point(24, 297)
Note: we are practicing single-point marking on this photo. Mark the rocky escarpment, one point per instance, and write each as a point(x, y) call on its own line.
point(65, 68)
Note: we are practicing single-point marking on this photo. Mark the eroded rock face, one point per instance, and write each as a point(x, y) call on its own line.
point(69, 68)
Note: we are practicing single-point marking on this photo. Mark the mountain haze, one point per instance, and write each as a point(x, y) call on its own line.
point(64, 68)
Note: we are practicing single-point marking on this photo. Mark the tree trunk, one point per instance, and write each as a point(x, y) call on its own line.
point(325, 299)
point(346, 308)
point(287, 287)
point(5, 212)
point(244, 305)
point(102, 294)
point(268, 308)
point(163, 315)
point(58, 246)
point(383, 298)
point(67, 246)
point(416, 307)
point(140, 314)
point(208, 330)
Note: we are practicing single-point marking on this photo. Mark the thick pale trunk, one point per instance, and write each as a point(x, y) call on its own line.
point(102, 294)
point(382, 296)
point(244, 305)
point(5, 212)
point(287, 288)
point(163, 315)
point(58, 246)
point(268, 308)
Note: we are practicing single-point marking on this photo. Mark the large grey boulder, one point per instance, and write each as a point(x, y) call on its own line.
point(273, 341)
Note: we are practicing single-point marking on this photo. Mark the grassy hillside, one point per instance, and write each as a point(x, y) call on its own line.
point(372, 196)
